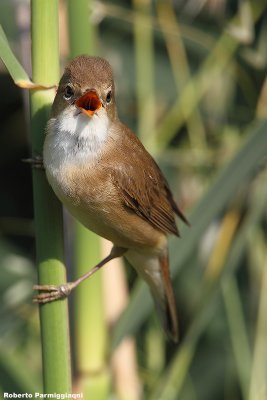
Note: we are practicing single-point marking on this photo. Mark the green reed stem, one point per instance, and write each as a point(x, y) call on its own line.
point(47, 209)
point(90, 328)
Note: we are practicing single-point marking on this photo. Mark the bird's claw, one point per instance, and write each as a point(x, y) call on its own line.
point(35, 162)
point(51, 292)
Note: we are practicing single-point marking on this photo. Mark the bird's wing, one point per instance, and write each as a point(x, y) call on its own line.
point(142, 187)
point(146, 198)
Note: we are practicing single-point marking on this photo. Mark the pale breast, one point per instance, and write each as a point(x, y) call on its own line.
point(72, 140)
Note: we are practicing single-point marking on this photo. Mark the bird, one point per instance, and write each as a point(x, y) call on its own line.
point(105, 177)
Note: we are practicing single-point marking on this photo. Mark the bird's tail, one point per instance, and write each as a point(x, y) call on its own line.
point(155, 271)
point(165, 302)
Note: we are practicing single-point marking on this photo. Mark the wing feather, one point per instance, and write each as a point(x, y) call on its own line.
point(141, 185)
point(147, 197)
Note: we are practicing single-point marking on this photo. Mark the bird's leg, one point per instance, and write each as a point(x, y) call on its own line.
point(35, 162)
point(53, 292)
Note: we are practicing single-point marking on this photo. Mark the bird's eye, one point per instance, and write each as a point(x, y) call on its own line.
point(108, 98)
point(68, 93)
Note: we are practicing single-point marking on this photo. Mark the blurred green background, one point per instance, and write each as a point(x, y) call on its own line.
point(191, 82)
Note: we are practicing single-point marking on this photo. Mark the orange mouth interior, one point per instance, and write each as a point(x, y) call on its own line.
point(89, 103)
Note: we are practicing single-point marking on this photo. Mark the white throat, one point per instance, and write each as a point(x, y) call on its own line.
point(74, 138)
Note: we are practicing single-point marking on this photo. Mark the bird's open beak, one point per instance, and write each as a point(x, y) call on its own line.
point(89, 103)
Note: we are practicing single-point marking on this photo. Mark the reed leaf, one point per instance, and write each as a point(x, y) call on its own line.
point(17, 72)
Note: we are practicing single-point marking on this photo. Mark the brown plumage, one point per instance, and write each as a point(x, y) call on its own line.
point(105, 177)
point(145, 191)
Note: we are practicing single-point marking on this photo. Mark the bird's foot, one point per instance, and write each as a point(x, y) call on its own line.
point(56, 292)
point(52, 292)
point(35, 162)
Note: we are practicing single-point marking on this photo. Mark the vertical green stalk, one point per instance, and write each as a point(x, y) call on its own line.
point(144, 55)
point(90, 328)
point(238, 331)
point(258, 382)
point(81, 29)
point(47, 209)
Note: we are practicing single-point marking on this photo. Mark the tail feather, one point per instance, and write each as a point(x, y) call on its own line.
point(167, 319)
point(155, 271)
point(167, 309)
